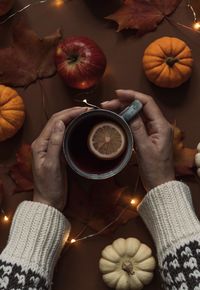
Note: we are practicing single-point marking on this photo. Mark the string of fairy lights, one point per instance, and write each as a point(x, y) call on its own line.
point(196, 23)
point(195, 26)
point(133, 203)
point(55, 3)
point(59, 3)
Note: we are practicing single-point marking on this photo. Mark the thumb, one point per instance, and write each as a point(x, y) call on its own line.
point(139, 131)
point(55, 141)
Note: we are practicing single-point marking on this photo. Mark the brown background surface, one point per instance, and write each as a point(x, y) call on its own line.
point(78, 267)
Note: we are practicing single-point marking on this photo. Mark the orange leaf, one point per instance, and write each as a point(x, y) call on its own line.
point(143, 15)
point(184, 158)
point(21, 171)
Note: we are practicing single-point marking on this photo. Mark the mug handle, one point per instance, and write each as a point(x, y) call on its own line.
point(131, 111)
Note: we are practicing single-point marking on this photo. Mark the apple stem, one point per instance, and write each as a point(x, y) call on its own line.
point(72, 58)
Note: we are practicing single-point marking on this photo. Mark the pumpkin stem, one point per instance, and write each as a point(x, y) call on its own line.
point(170, 60)
point(127, 266)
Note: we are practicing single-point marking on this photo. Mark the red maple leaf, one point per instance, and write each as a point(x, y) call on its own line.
point(28, 57)
point(21, 171)
point(143, 15)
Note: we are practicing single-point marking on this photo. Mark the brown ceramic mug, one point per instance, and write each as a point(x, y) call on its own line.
point(75, 145)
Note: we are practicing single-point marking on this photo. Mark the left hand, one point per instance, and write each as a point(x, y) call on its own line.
point(49, 170)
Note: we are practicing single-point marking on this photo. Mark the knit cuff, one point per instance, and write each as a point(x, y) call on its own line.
point(38, 233)
point(169, 215)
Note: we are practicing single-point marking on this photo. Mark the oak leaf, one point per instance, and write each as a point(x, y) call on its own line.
point(143, 15)
point(28, 58)
point(184, 158)
point(21, 171)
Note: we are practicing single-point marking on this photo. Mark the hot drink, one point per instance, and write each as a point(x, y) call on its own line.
point(80, 155)
point(79, 149)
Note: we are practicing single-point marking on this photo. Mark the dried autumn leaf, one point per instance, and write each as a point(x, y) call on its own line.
point(21, 171)
point(28, 57)
point(184, 157)
point(143, 15)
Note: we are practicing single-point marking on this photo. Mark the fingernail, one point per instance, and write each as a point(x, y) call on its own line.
point(59, 126)
point(88, 109)
point(104, 103)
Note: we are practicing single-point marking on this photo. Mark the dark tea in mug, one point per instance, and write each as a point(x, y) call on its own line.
point(75, 145)
point(79, 150)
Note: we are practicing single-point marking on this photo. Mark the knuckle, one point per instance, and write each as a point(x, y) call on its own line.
point(136, 125)
point(54, 116)
point(150, 99)
point(55, 140)
point(47, 165)
point(34, 145)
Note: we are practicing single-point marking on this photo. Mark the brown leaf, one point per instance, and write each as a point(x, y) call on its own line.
point(21, 171)
point(28, 57)
point(143, 15)
point(184, 157)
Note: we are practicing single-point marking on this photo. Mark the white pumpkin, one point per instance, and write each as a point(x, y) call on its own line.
point(197, 160)
point(127, 264)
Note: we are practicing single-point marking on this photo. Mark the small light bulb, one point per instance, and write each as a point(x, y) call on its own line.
point(58, 3)
point(6, 219)
point(72, 241)
point(196, 25)
point(133, 201)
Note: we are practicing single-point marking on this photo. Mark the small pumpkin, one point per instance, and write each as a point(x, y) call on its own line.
point(168, 62)
point(197, 159)
point(11, 112)
point(127, 264)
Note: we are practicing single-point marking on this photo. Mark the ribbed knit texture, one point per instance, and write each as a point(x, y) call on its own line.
point(37, 235)
point(169, 215)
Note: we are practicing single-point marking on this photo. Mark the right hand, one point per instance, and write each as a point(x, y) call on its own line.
point(153, 138)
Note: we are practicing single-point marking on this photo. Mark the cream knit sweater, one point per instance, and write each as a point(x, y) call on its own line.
point(38, 233)
point(168, 213)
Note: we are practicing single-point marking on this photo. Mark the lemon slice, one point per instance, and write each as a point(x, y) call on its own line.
point(106, 140)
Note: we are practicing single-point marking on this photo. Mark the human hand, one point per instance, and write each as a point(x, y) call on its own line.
point(152, 136)
point(49, 170)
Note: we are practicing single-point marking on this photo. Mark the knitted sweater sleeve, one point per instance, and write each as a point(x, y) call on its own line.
point(168, 213)
point(38, 233)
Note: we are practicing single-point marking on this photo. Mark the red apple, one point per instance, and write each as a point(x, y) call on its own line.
point(80, 62)
point(5, 6)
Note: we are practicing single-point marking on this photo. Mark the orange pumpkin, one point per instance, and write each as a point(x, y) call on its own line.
point(168, 62)
point(11, 112)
